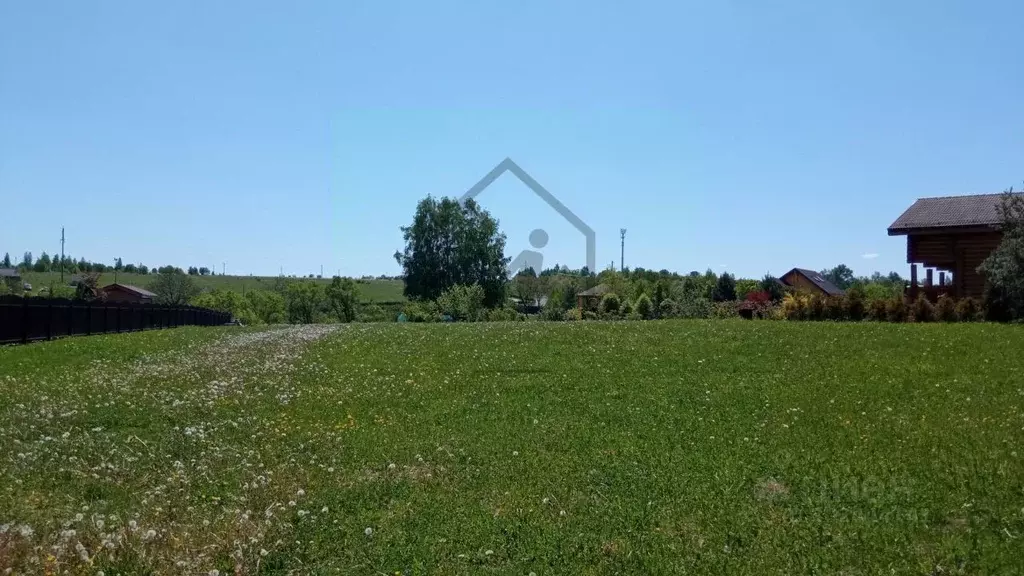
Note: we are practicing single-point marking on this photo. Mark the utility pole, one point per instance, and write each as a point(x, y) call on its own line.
point(321, 270)
point(223, 268)
point(622, 254)
point(62, 255)
point(115, 270)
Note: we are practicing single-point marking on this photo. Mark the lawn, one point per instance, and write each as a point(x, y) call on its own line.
point(672, 447)
point(369, 290)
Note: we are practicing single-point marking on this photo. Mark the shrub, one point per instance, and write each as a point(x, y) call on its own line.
point(724, 310)
point(725, 288)
point(465, 303)
point(878, 310)
point(668, 308)
point(589, 315)
point(627, 307)
point(759, 297)
point(610, 304)
point(794, 307)
point(644, 307)
point(922, 310)
point(696, 308)
point(421, 311)
point(896, 310)
point(968, 310)
point(503, 315)
point(816, 308)
point(855, 304)
point(835, 308)
point(373, 313)
point(572, 314)
point(945, 309)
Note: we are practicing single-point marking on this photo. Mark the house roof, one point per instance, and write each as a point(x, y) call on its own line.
point(948, 212)
point(129, 288)
point(599, 290)
point(9, 273)
point(818, 280)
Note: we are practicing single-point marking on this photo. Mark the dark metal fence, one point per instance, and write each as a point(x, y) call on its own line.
point(27, 319)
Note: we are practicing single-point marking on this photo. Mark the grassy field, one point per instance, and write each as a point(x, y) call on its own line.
point(675, 447)
point(369, 290)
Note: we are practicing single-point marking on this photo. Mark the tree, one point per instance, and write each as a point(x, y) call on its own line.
point(7, 260)
point(193, 271)
point(725, 288)
point(228, 301)
point(26, 261)
point(772, 286)
point(643, 307)
point(1004, 267)
point(268, 305)
point(174, 288)
point(342, 296)
point(841, 276)
point(204, 271)
point(462, 302)
point(305, 301)
point(130, 268)
point(43, 263)
point(143, 269)
point(118, 265)
point(451, 244)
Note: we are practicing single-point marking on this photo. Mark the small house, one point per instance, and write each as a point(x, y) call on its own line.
point(128, 293)
point(804, 280)
point(10, 275)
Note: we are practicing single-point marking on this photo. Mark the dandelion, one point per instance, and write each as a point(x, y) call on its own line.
point(263, 552)
point(562, 513)
point(545, 501)
point(300, 493)
point(214, 572)
point(133, 525)
point(291, 502)
point(391, 466)
point(150, 534)
point(302, 513)
point(368, 531)
point(515, 452)
point(323, 510)
point(488, 552)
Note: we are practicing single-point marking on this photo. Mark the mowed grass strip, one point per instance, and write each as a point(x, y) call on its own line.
point(576, 448)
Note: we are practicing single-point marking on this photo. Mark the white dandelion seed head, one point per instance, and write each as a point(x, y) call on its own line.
point(368, 531)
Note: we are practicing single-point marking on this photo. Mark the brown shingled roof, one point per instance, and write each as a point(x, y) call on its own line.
point(139, 291)
point(948, 212)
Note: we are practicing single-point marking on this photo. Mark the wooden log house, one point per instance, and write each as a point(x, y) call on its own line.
point(951, 235)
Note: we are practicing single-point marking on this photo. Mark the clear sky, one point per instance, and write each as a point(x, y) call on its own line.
point(749, 135)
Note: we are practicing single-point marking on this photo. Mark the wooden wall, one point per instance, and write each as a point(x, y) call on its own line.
point(960, 253)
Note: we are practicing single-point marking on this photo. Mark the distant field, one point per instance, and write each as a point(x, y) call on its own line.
point(370, 290)
point(673, 447)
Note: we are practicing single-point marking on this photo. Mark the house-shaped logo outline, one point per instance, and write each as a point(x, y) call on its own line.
point(507, 165)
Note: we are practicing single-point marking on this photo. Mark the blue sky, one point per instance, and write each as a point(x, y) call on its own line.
point(751, 135)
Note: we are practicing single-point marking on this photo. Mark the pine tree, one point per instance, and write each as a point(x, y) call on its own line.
point(7, 260)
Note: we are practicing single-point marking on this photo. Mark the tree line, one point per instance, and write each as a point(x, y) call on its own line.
point(47, 263)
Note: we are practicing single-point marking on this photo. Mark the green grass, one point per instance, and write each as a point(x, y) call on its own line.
point(676, 447)
point(369, 290)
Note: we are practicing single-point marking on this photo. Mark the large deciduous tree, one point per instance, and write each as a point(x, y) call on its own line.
point(174, 288)
point(841, 276)
point(452, 244)
point(342, 296)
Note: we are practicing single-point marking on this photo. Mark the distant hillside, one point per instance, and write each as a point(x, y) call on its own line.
point(369, 290)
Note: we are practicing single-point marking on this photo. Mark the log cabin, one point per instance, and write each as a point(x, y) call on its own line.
point(950, 234)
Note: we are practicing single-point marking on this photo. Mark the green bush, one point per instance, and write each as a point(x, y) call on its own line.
point(627, 307)
point(855, 309)
point(373, 313)
point(835, 308)
point(644, 308)
point(878, 310)
point(968, 310)
point(421, 311)
point(668, 308)
point(726, 309)
point(696, 308)
point(503, 315)
point(922, 310)
point(462, 303)
point(945, 309)
point(896, 309)
point(589, 315)
point(816, 308)
point(572, 314)
point(610, 304)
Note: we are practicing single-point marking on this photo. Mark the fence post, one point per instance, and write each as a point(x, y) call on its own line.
point(24, 320)
point(49, 319)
